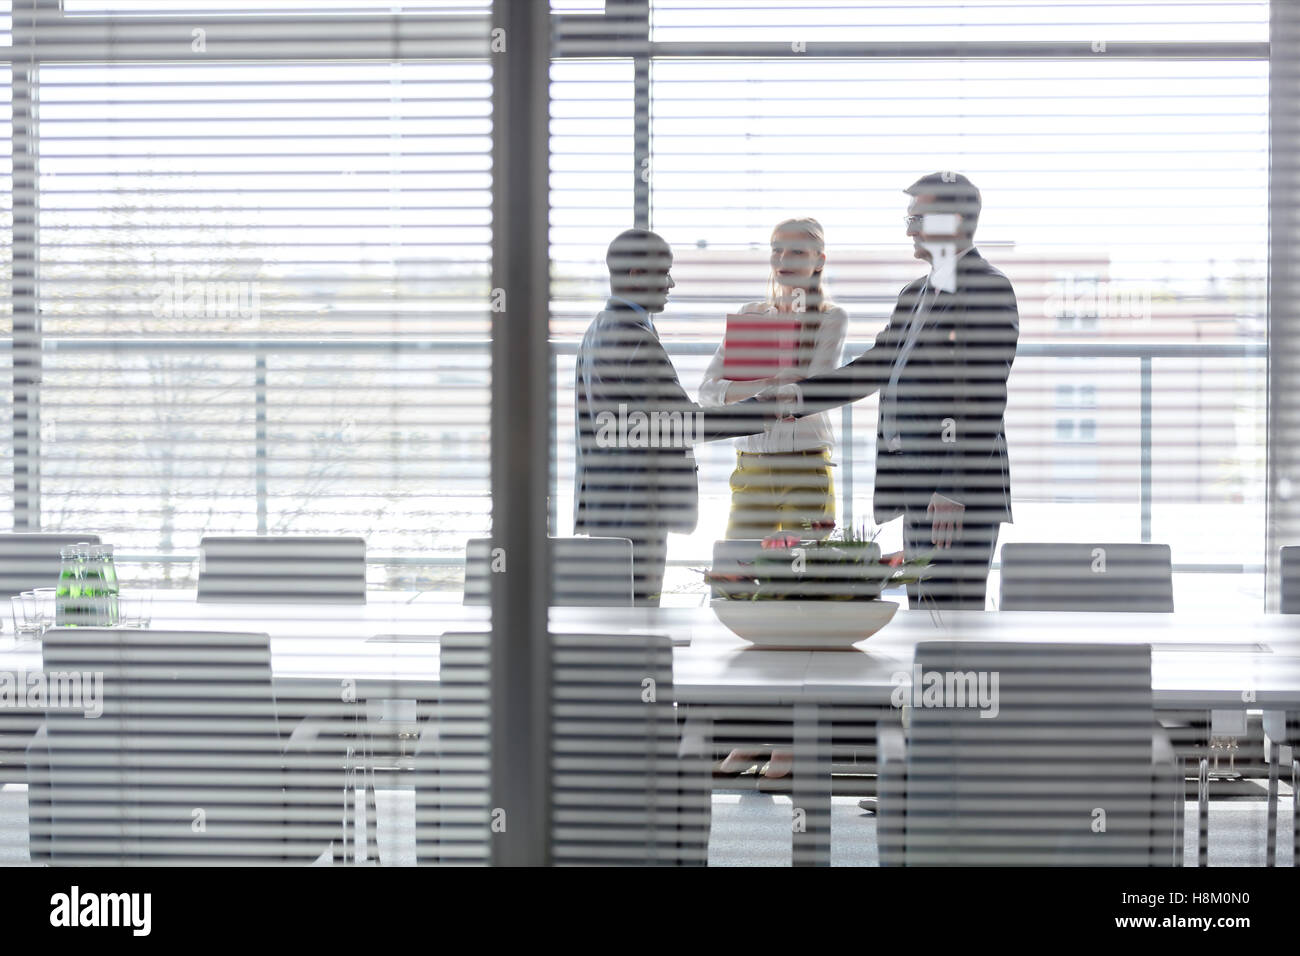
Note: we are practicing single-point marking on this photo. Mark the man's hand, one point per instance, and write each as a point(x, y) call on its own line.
point(741, 390)
point(946, 518)
point(784, 399)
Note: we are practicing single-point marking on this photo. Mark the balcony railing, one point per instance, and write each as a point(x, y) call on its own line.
point(258, 351)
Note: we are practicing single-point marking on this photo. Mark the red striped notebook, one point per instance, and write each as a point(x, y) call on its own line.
point(759, 345)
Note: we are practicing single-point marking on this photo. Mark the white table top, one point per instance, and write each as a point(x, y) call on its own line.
point(1199, 660)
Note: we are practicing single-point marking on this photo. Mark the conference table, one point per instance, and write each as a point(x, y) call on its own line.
point(388, 649)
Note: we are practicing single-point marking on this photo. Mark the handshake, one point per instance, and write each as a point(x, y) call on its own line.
point(783, 396)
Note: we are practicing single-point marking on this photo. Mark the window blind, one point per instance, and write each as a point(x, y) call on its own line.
point(1123, 199)
point(1122, 154)
point(251, 298)
point(251, 305)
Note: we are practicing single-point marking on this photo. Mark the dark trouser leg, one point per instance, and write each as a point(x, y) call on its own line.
point(649, 554)
point(958, 576)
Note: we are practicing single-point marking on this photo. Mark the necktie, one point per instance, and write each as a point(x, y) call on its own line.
point(889, 399)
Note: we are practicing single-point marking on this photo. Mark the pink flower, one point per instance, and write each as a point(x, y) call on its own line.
point(781, 539)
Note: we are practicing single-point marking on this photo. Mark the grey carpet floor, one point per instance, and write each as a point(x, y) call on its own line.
point(753, 829)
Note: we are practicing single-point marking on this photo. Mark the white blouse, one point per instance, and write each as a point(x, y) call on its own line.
point(802, 434)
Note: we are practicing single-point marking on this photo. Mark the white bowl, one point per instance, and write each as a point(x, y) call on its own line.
point(804, 625)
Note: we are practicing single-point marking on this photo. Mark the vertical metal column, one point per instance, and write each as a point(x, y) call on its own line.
point(1144, 493)
point(811, 797)
point(846, 464)
point(27, 359)
point(1282, 510)
point(637, 12)
point(260, 455)
point(553, 429)
point(521, 416)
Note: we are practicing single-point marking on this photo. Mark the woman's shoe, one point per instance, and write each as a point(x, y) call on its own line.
point(781, 765)
point(766, 784)
point(720, 774)
point(738, 762)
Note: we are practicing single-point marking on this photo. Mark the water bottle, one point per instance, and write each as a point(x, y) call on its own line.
point(67, 597)
point(108, 572)
point(92, 588)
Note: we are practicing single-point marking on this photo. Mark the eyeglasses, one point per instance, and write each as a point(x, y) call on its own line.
point(912, 220)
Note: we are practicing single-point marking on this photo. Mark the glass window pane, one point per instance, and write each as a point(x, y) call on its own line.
point(887, 21)
point(1104, 236)
point(209, 8)
point(344, 204)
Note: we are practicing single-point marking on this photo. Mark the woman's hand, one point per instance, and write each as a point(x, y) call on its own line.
point(784, 400)
point(787, 376)
point(741, 390)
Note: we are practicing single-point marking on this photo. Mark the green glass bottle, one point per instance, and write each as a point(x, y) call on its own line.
point(67, 597)
point(108, 571)
point(92, 588)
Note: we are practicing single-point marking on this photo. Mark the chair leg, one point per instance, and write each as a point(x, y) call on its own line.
point(372, 813)
point(1180, 824)
point(1273, 760)
point(350, 808)
point(1203, 813)
point(343, 828)
point(370, 823)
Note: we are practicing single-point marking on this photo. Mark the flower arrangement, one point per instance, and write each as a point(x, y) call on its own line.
point(826, 565)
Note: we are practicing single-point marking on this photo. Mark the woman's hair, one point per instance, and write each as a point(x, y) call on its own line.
point(818, 298)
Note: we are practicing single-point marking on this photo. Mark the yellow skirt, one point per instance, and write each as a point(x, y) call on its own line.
point(780, 491)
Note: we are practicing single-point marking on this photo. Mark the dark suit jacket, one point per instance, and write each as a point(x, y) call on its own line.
point(622, 363)
point(952, 395)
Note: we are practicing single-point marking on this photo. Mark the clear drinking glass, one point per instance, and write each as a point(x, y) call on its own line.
point(23, 608)
point(46, 606)
point(135, 608)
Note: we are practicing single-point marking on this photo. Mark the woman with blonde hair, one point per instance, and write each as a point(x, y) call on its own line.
point(782, 480)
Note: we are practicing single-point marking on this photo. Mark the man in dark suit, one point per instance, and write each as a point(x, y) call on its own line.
point(635, 474)
point(941, 366)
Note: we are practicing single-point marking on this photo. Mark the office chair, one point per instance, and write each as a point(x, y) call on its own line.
point(30, 561)
point(27, 561)
point(1283, 729)
point(1087, 577)
point(588, 572)
point(1058, 576)
point(305, 569)
point(187, 762)
point(1066, 767)
point(623, 792)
